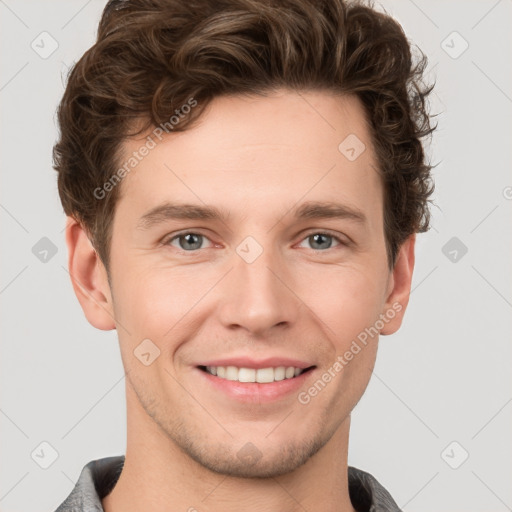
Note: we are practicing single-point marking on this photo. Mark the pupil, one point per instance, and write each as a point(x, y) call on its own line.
point(191, 241)
point(321, 241)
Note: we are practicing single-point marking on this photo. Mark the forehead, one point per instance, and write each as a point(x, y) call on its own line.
point(312, 121)
point(262, 150)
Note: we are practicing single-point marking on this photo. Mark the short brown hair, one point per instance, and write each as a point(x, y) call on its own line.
point(152, 56)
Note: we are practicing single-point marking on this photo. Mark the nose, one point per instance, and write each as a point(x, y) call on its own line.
point(258, 296)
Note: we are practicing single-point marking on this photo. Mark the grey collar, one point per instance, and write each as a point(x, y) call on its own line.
point(99, 477)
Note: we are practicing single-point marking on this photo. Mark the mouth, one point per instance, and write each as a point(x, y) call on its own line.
point(255, 375)
point(263, 385)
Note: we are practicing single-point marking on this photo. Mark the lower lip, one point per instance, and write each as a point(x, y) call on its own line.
point(255, 392)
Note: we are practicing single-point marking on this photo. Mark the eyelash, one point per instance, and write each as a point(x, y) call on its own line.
point(167, 241)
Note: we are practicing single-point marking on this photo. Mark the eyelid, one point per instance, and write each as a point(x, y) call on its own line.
point(342, 239)
point(167, 239)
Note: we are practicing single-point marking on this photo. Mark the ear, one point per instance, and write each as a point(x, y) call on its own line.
point(89, 278)
point(399, 287)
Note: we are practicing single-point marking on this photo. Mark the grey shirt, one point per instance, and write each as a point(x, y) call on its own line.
point(99, 477)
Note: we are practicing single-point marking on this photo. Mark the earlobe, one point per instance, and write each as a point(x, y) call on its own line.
point(89, 278)
point(400, 287)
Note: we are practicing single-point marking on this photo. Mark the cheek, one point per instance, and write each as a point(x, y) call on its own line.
point(346, 300)
point(157, 303)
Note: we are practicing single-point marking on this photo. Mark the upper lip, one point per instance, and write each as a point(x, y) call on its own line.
point(247, 362)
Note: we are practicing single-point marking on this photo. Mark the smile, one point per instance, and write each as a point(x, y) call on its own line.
point(259, 375)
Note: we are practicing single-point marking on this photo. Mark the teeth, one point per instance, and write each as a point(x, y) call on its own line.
point(231, 373)
point(279, 373)
point(261, 375)
point(265, 375)
point(246, 375)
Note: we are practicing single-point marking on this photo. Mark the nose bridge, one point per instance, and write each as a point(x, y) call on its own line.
point(256, 297)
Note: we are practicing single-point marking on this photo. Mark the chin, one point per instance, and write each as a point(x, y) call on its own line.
point(250, 461)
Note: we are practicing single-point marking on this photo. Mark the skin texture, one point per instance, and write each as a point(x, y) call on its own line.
point(257, 159)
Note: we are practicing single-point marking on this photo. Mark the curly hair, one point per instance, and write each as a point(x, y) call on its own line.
point(152, 56)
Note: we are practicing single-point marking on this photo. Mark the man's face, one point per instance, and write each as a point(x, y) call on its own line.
point(272, 282)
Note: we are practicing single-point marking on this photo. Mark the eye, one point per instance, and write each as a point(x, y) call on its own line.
point(321, 241)
point(190, 241)
point(187, 241)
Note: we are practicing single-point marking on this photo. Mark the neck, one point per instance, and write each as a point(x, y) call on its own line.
point(158, 476)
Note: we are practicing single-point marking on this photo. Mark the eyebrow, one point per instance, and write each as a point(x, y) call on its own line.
point(172, 211)
point(329, 210)
point(310, 210)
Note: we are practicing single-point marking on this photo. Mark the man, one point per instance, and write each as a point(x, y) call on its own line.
point(244, 181)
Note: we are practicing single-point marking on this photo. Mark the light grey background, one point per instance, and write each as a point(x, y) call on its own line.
point(444, 377)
